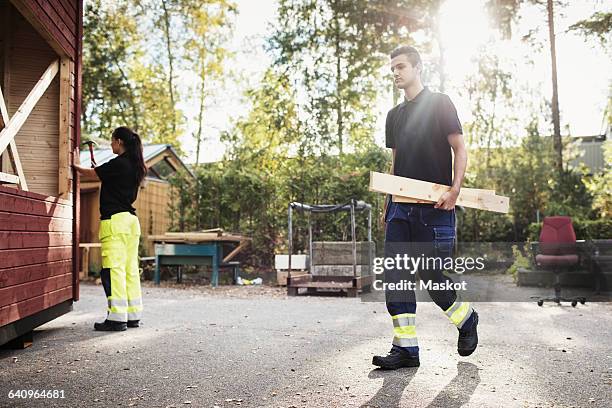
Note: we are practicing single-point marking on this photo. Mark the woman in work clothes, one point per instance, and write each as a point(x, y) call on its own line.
point(120, 229)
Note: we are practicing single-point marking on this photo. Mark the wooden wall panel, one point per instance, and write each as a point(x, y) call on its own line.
point(18, 293)
point(46, 19)
point(38, 230)
point(22, 205)
point(34, 223)
point(16, 311)
point(12, 258)
point(38, 140)
point(23, 274)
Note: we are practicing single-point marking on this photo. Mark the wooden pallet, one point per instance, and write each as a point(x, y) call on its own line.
point(318, 284)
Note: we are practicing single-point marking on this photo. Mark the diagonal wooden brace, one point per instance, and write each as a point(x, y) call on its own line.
point(12, 147)
point(16, 122)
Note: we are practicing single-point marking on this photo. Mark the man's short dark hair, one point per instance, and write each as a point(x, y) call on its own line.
point(413, 55)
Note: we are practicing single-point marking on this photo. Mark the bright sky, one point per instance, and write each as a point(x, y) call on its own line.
point(584, 71)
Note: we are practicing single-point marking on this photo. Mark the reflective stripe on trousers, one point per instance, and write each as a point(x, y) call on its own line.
point(404, 330)
point(120, 236)
point(459, 312)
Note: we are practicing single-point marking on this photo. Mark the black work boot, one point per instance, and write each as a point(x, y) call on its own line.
point(109, 325)
point(133, 323)
point(468, 339)
point(396, 358)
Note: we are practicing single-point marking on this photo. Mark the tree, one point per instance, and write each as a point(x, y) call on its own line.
point(110, 43)
point(120, 85)
point(209, 25)
point(333, 50)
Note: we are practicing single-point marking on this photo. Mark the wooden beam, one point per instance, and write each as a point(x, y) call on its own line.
point(16, 162)
point(235, 252)
point(423, 190)
point(410, 200)
point(12, 150)
point(8, 133)
point(64, 173)
point(8, 179)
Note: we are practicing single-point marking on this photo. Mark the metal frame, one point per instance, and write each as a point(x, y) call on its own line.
point(352, 207)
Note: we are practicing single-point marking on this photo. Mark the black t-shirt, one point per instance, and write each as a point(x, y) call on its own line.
point(119, 186)
point(418, 129)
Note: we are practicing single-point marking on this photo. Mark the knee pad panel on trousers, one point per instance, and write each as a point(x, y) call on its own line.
point(106, 280)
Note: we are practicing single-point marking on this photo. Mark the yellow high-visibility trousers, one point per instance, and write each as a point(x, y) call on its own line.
point(120, 236)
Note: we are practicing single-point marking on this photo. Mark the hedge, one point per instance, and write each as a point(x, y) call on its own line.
point(585, 229)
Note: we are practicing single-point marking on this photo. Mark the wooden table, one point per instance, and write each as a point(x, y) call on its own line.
point(197, 249)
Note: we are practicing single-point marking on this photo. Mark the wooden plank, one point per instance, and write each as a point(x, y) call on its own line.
point(402, 186)
point(66, 13)
point(299, 279)
point(11, 313)
point(25, 239)
point(45, 26)
point(195, 237)
point(16, 276)
point(24, 205)
point(16, 162)
point(12, 150)
point(411, 200)
point(77, 137)
point(33, 223)
point(6, 178)
point(236, 251)
point(90, 245)
point(59, 26)
point(8, 133)
point(64, 169)
point(13, 258)
point(18, 293)
point(35, 196)
point(483, 202)
point(61, 21)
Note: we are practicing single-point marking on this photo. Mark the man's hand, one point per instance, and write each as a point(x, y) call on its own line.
point(447, 200)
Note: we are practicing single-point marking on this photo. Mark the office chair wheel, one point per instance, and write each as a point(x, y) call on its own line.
point(574, 303)
point(582, 301)
point(540, 302)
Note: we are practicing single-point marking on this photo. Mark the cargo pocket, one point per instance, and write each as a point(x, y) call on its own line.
point(113, 254)
point(444, 239)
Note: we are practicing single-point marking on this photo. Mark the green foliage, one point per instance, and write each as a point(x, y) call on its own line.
point(132, 53)
point(334, 51)
point(600, 184)
point(598, 25)
point(237, 196)
point(520, 261)
point(584, 229)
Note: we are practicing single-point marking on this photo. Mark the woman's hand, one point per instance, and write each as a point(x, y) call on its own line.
point(85, 171)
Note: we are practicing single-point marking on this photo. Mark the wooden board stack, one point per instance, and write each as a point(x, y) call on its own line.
point(407, 190)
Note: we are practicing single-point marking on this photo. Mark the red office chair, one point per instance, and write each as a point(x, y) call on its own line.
point(558, 252)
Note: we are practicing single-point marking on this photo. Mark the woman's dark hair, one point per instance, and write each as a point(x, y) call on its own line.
point(133, 149)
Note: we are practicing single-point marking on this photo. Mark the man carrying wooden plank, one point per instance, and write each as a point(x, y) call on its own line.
point(422, 131)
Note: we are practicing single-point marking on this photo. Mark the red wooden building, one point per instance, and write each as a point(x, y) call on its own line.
point(40, 83)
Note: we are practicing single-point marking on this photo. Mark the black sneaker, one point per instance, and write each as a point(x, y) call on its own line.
point(396, 358)
point(133, 323)
point(468, 339)
point(109, 325)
